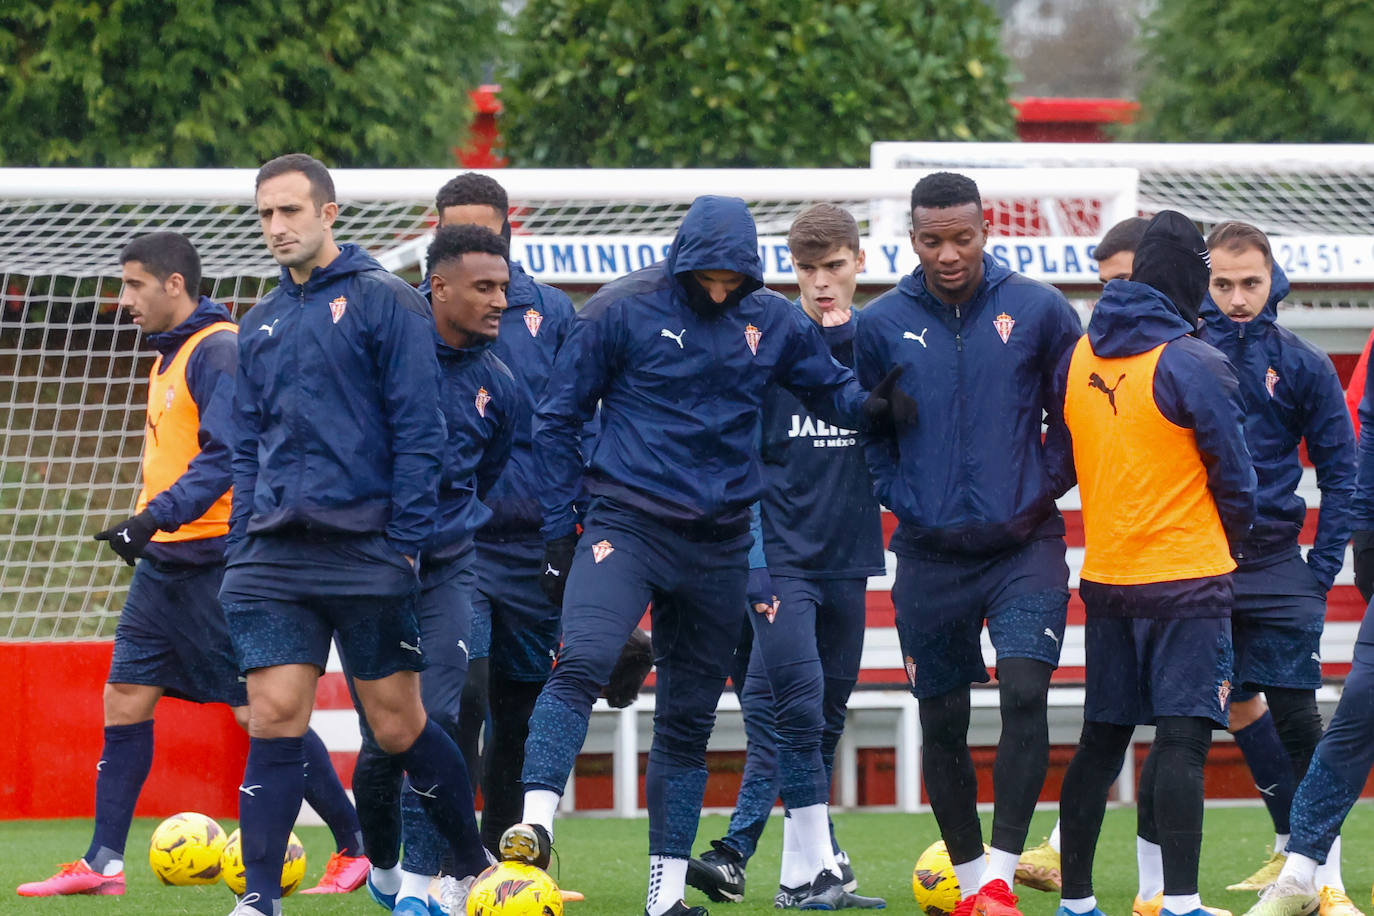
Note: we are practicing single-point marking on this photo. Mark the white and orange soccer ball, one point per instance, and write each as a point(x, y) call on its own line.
point(514, 889)
point(186, 848)
point(292, 866)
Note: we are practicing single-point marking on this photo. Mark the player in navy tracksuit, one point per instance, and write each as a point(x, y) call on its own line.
point(336, 470)
point(1292, 396)
point(680, 356)
point(978, 536)
point(817, 540)
point(483, 407)
point(515, 626)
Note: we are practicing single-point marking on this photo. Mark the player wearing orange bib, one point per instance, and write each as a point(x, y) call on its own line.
point(1155, 420)
point(172, 638)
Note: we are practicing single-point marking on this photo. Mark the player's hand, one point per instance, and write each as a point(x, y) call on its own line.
point(888, 409)
point(1362, 546)
point(627, 677)
point(558, 557)
point(129, 537)
point(760, 593)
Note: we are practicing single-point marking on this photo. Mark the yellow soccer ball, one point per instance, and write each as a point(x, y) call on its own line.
point(514, 889)
point(933, 881)
point(292, 866)
point(186, 849)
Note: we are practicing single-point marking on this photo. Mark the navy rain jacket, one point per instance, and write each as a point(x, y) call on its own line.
point(1194, 388)
point(210, 379)
point(1291, 393)
point(483, 408)
point(969, 476)
point(680, 393)
point(337, 408)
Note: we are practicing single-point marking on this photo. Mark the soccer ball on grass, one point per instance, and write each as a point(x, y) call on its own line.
point(514, 889)
point(185, 850)
point(292, 866)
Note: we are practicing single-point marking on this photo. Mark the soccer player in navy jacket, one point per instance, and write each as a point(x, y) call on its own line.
point(818, 540)
point(680, 356)
point(979, 537)
point(336, 467)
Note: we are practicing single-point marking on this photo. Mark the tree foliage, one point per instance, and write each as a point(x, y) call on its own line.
point(1258, 71)
point(749, 82)
point(235, 82)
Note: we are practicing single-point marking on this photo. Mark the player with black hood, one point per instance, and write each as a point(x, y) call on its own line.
point(1155, 420)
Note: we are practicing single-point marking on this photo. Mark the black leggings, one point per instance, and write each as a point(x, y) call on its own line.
point(1018, 775)
point(1298, 723)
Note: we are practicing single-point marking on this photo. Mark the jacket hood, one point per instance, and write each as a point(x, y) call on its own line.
point(1278, 291)
point(521, 290)
point(351, 260)
point(1132, 318)
point(717, 234)
point(994, 275)
point(206, 313)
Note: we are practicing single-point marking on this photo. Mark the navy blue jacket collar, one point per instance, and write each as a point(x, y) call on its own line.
point(994, 275)
point(1132, 318)
point(207, 312)
point(351, 260)
point(1221, 324)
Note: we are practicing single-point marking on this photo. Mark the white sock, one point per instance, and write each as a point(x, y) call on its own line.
point(540, 805)
point(413, 885)
point(1001, 867)
point(1080, 906)
point(1149, 864)
point(387, 880)
point(1300, 870)
point(667, 884)
point(1280, 842)
point(1182, 903)
point(115, 866)
point(970, 875)
point(1054, 838)
point(794, 868)
point(1329, 875)
point(812, 829)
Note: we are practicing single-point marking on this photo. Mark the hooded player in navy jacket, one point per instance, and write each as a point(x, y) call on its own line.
point(172, 638)
point(337, 466)
point(1292, 395)
point(515, 626)
point(818, 541)
point(978, 536)
point(680, 356)
point(483, 407)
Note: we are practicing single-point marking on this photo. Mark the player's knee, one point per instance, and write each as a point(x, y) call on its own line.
point(398, 733)
point(129, 704)
point(241, 716)
point(1023, 687)
point(276, 716)
point(1245, 713)
point(1183, 739)
point(945, 720)
point(1296, 719)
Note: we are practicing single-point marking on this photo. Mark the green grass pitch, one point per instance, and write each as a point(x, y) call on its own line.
point(606, 860)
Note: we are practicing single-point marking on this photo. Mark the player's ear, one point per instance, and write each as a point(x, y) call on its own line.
point(175, 284)
point(330, 212)
point(859, 261)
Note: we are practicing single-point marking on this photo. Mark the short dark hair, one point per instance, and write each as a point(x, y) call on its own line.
point(821, 228)
point(321, 183)
point(1235, 236)
point(452, 242)
point(945, 189)
point(1124, 236)
point(472, 188)
point(163, 254)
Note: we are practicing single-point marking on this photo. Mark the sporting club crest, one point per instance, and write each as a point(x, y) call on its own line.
point(532, 321)
point(1224, 694)
point(601, 550)
point(171, 393)
point(910, 665)
point(752, 336)
point(1004, 323)
point(337, 307)
point(1271, 380)
point(483, 399)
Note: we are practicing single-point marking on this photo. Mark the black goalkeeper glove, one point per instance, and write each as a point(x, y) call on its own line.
point(129, 537)
point(558, 557)
point(888, 409)
point(627, 677)
point(1362, 546)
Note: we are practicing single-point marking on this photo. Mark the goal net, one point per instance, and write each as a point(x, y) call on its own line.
point(73, 391)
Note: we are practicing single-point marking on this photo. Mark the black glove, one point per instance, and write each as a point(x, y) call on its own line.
point(1362, 546)
point(129, 537)
point(558, 557)
point(888, 409)
point(636, 658)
